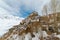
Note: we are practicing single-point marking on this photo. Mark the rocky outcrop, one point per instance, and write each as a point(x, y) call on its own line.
point(40, 27)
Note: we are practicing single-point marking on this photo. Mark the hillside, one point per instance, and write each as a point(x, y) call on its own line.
point(36, 27)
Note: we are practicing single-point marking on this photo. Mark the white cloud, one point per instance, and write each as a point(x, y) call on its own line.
point(9, 6)
point(35, 5)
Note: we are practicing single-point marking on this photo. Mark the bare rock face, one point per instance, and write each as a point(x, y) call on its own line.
point(34, 27)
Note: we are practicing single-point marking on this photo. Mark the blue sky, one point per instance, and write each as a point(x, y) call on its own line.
point(23, 8)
